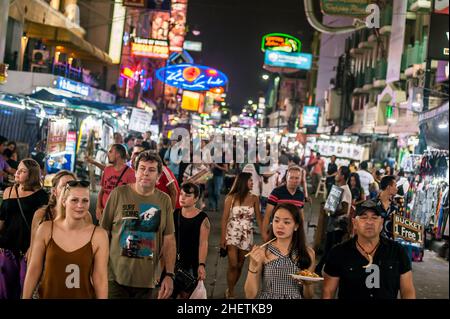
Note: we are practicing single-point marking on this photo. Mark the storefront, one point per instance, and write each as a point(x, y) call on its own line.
point(345, 148)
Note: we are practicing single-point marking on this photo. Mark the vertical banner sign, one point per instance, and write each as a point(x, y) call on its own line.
point(396, 41)
point(70, 150)
point(57, 136)
point(178, 29)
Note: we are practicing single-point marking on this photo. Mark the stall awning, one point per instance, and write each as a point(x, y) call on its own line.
point(45, 95)
point(56, 36)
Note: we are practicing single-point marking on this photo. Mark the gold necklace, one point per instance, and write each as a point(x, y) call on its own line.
point(369, 255)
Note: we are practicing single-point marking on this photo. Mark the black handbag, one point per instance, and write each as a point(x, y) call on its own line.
point(184, 280)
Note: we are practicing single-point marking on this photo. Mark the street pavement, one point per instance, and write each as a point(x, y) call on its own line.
point(431, 276)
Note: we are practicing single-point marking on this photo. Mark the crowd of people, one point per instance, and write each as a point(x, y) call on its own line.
point(149, 234)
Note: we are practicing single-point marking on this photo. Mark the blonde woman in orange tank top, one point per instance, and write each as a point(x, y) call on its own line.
point(70, 253)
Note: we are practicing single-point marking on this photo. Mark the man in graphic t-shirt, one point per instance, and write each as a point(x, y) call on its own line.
point(139, 220)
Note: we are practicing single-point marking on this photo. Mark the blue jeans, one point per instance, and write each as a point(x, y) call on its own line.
point(214, 188)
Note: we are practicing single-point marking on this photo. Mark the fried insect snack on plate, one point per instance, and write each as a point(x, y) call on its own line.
point(307, 273)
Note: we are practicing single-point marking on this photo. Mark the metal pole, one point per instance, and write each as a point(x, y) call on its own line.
point(426, 92)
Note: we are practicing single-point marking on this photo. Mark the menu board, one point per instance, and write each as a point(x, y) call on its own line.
point(408, 230)
point(140, 120)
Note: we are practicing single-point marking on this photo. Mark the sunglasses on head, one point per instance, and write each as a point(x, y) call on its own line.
point(78, 183)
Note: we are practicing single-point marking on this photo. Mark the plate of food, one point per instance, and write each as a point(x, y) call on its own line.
point(307, 276)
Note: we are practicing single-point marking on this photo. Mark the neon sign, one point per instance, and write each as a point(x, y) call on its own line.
point(288, 60)
point(72, 86)
point(281, 42)
point(150, 48)
point(192, 77)
point(128, 73)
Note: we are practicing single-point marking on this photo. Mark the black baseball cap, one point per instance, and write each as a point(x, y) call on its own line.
point(366, 206)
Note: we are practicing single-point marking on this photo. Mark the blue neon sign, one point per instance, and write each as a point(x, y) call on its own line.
point(192, 77)
point(288, 60)
point(72, 86)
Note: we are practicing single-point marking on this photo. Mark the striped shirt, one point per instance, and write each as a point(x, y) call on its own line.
point(281, 195)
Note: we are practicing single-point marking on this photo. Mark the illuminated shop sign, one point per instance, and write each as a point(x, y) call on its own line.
point(280, 42)
point(150, 48)
point(194, 46)
point(311, 115)
point(191, 101)
point(72, 86)
point(288, 60)
point(192, 77)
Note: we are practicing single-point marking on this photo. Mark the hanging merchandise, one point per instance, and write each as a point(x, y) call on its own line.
point(434, 163)
point(410, 162)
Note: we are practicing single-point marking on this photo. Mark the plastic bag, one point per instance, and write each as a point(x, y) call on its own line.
point(199, 292)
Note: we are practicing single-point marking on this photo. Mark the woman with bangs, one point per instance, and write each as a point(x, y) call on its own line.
point(16, 214)
point(286, 255)
point(192, 229)
point(70, 253)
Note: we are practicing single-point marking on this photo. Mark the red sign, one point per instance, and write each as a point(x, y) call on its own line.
point(441, 6)
point(191, 74)
point(135, 3)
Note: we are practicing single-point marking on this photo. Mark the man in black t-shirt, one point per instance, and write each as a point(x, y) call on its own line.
point(331, 173)
point(368, 266)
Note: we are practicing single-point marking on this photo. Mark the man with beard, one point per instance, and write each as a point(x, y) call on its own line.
point(116, 174)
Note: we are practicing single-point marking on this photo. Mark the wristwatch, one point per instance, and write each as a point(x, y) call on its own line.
point(202, 264)
point(171, 275)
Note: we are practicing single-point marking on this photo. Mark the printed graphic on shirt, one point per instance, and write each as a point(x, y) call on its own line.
point(111, 182)
point(138, 235)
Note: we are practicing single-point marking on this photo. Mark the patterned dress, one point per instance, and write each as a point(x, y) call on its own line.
point(240, 227)
point(277, 282)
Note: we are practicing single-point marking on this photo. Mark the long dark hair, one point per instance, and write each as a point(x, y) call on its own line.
point(33, 182)
point(240, 186)
point(358, 181)
point(298, 245)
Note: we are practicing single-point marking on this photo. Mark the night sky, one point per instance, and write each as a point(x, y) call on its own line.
point(231, 33)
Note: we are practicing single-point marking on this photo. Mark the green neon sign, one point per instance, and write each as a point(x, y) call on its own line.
point(281, 42)
point(389, 111)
